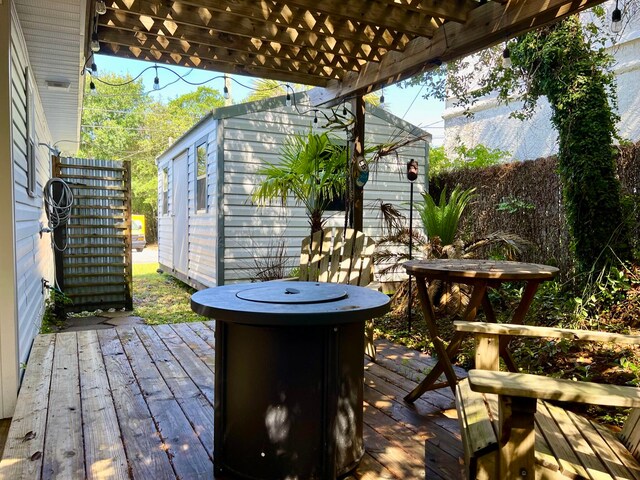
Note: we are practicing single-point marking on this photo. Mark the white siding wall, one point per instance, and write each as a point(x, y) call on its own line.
point(34, 255)
point(165, 222)
point(536, 137)
point(251, 232)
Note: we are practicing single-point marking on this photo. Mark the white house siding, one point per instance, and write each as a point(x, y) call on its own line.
point(491, 125)
point(31, 255)
point(252, 232)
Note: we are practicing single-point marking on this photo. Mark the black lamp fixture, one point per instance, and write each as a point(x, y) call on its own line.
point(95, 43)
point(616, 19)
point(156, 81)
point(506, 58)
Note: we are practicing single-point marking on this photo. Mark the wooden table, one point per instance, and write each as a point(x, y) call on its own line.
point(480, 275)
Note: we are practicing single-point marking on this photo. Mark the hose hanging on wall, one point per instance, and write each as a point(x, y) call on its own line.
point(57, 207)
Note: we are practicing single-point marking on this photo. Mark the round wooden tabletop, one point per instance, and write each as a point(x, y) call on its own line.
point(482, 269)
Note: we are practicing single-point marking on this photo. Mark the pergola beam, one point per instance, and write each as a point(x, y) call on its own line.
point(487, 25)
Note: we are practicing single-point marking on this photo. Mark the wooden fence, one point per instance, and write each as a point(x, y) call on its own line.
point(93, 254)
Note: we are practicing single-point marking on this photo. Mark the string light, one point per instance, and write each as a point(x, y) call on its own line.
point(95, 43)
point(344, 110)
point(156, 81)
point(616, 19)
point(94, 68)
point(287, 101)
point(101, 8)
point(506, 58)
point(382, 99)
point(92, 88)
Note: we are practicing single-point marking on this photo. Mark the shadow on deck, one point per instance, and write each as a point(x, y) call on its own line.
point(137, 402)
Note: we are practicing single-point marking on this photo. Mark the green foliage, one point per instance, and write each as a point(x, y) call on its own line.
point(441, 220)
point(568, 64)
point(53, 317)
point(465, 157)
point(513, 205)
point(312, 172)
point(124, 123)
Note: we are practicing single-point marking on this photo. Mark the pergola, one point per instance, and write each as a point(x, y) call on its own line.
point(344, 48)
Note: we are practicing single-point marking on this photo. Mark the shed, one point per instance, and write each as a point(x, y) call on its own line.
point(210, 233)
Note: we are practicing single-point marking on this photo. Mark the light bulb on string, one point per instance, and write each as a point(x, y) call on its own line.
point(616, 19)
point(92, 88)
point(101, 8)
point(506, 58)
point(288, 99)
point(94, 68)
point(382, 99)
point(344, 110)
point(225, 88)
point(156, 81)
point(314, 127)
point(95, 43)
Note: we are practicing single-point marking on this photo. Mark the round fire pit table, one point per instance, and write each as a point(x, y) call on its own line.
point(288, 377)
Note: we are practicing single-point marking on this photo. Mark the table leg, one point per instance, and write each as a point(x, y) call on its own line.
point(525, 302)
point(445, 355)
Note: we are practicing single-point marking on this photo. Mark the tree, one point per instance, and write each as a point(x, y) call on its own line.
point(121, 122)
point(312, 171)
point(567, 63)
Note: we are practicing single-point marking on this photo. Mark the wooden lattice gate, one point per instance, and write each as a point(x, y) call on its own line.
point(93, 250)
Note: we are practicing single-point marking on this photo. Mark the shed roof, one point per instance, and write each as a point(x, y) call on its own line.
point(345, 47)
point(279, 102)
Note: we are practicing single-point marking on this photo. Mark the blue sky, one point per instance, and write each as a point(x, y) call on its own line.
point(406, 103)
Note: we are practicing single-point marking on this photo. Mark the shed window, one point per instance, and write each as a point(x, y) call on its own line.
point(165, 191)
point(31, 136)
point(201, 169)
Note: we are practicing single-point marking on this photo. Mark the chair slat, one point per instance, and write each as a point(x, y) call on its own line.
point(304, 259)
point(325, 254)
point(336, 254)
point(345, 260)
point(315, 256)
point(631, 433)
point(366, 271)
point(356, 259)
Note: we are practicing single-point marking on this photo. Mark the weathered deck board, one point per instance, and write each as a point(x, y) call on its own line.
point(137, 403)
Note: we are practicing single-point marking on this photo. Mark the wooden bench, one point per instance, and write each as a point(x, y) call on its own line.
point(512, 423)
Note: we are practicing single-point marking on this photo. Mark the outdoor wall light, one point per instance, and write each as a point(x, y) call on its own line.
point(616, 19)
point(101, 8)
point(95, 43)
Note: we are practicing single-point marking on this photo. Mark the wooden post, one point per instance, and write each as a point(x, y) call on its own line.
point(517, 437)
point(358, 152)
point(128, 260)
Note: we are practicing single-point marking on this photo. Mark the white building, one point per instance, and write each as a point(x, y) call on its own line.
point(535, 138)
point(41, 87)
point(215, 239)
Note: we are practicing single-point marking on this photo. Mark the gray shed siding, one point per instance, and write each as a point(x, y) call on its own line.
point(251, 231)
point(246, 138)
point(201, 231)
point(34, 255)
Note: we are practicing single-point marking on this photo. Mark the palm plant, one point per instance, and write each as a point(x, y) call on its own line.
point(442, 220)
point(312, 172)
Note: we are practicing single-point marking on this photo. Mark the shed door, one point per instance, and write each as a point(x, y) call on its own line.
point(180, 213)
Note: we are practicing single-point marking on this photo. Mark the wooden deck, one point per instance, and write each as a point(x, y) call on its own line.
point(137, 403)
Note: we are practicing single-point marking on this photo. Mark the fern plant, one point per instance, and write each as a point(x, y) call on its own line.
point(441, 220)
